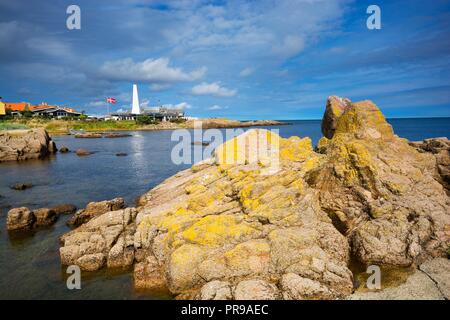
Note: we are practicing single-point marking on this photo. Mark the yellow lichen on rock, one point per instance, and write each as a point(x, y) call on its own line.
point(256, 145)
point(219, 230)
point(295, 149)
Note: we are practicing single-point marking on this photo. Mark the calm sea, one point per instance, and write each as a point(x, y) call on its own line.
point(29, 266)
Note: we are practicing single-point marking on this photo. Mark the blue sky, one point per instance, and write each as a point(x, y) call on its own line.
point(267, 59)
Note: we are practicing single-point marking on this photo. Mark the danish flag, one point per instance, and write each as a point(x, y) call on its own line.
point(111, 100)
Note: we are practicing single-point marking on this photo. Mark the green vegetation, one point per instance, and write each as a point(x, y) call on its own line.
point(144, 120)
point(4, 125)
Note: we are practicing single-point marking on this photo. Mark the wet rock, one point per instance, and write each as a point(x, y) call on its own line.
point(95, 209)
point(64, 149)
point(148, 274)
point(22, 186)
point(430, 282)
point(45, 216)
point(88, 135)
point(20, 219)
point(117, 135)
point(64, 209)
point(17, 145)
point(82, 152)
point(121, 154)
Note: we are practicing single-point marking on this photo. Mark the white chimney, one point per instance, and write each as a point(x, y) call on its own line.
point(135, 106)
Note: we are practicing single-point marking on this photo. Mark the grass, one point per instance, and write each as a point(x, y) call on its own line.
point(11, 126)
point(59, 126)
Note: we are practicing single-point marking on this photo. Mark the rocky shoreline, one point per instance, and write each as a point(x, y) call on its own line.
point(19, 145)
point(249, 230)
point(245, 231)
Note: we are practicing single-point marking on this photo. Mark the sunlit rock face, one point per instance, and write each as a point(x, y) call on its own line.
point(284, 224)
point(18, 145)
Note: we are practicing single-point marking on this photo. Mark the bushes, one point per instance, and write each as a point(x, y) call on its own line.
point(143, 120)
point(178, 120)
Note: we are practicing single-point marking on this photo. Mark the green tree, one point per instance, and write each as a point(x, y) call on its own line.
point(27, 113)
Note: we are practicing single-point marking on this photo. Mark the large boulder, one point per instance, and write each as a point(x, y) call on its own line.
point(16, 145)
point(268, 217)
point(106, 240)
point(335, 107)
point(95, 209)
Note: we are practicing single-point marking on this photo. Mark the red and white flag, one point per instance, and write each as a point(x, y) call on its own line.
point(111, 100)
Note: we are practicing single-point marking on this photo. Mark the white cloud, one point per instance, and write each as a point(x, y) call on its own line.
point(214, 89)
point(289, 47)
point(181, 105)
point(217, 107)
point(157, 87)
point(97, 103)
point(246, 72)
point(149, 70)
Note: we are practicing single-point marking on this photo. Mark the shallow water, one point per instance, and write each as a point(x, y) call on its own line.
point(29, 264)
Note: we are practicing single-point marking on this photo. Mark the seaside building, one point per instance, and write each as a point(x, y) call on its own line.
point(41, 110)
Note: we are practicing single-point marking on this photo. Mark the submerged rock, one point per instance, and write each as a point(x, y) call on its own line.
point(22, 186)
point(82, 152)
point(17, 145)
point(268, 217)
point(64, 149)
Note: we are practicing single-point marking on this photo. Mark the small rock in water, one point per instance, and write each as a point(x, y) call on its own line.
point(88, 135)
point(20, 219)
point(64, 149)
point(121, 154)
point(200, 143)
point(117, 135)
point(82, 152)
point(22, 186)
point(44, 217)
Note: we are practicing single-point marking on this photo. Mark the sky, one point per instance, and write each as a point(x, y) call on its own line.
point(265, 59)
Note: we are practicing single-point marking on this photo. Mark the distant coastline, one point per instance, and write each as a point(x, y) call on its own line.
point(65, 126)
